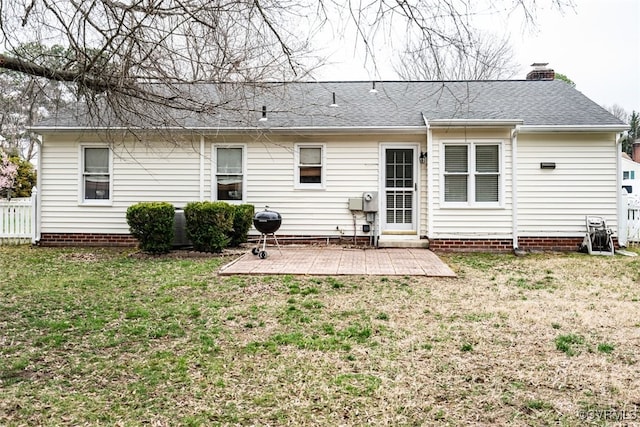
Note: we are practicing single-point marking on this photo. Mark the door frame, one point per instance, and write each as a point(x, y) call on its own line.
point(415, 147)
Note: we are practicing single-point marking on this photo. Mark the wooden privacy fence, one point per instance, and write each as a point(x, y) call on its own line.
point(16, 221)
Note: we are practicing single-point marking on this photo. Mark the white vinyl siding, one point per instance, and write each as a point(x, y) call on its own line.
point(554, 202)
point(472, 219)
point(168, 171)
point(148, 171)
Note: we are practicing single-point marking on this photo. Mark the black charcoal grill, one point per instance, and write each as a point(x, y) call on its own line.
point(267, 223)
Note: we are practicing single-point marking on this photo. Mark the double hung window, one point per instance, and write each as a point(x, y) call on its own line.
point(472, 174)
point(96, 174)
point(309, 172)
point(229, 173)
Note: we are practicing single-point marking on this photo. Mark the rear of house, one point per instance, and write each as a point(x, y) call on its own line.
point(480, 165)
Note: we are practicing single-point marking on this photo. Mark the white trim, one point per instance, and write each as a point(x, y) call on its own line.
point(411, 130)
point(430, 230)
point(471, 174)
point(202, 166)
point(438, 123)
point(82, 201)
point(214, 171)
point(297, 185)
point(514, 185)
point(573, 128)
point(38, 224)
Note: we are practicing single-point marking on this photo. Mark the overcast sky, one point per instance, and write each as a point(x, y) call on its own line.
point(597, 45)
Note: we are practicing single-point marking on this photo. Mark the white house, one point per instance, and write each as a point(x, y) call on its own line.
point(460, 165)
point(631, 171)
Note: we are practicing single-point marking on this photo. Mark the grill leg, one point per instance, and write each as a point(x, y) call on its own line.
point(277, 244)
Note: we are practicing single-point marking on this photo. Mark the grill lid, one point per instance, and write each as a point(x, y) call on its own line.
point(267, 221)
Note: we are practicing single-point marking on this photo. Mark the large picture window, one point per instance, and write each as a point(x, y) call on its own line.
point(96, 174)
point(309, 166)
point(472, 174)
point(229, 173)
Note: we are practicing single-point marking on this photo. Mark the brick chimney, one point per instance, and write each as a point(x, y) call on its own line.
point(541, 72)
point(635, 151)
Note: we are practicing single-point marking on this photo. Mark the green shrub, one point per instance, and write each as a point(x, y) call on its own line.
point(209, 225)
point(152, 224)
point(242, 220)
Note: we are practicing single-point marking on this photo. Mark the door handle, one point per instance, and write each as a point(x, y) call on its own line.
point(415, 186)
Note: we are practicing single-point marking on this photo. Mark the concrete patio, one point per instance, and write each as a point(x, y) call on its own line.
point(330, 260)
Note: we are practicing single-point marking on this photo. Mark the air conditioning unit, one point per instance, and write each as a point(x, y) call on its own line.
point(180, 239)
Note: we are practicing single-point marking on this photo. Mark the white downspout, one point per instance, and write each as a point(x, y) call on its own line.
point(514, 185)
point(202, 156)
point(37, 209)
point(623, 208)
point(430, 232)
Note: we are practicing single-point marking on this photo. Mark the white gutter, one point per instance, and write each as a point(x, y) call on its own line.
point(437, 123)
point(573, 128)
point(623, 209)
point(514, 185)
point(415, 130)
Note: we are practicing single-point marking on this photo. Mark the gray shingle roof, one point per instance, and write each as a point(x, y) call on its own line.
point(395, 104)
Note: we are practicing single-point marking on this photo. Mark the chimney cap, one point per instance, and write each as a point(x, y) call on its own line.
point(540, 65)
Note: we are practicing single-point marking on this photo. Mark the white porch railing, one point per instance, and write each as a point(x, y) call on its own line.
point(16, 221)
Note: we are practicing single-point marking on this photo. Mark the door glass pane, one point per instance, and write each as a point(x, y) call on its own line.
point(455, 158)
point(230, 160)
point(399, 168)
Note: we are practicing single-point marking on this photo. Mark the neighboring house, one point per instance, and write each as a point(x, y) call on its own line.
point(463, 165)
point(631, 172)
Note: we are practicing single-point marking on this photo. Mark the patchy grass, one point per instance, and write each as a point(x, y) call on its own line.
point(99, 337)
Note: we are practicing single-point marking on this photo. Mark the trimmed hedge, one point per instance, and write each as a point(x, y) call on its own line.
point(209, 225)
point(242, 221)
point(152, 224)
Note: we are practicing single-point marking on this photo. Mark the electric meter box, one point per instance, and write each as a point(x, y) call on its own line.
point(370, 201)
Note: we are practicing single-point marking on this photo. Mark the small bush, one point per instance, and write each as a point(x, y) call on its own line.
point(242, 220)
point(209, 225)
point(152, 224)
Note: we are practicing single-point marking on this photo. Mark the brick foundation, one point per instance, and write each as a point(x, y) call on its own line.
point(543, 244)
point(126, 240)
point(563, 244)
point(471, 245)
point(87, 239)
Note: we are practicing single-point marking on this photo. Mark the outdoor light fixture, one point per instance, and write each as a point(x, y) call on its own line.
point(423, 157)
point(547, 165)
point(264, 114)
point(373, 88)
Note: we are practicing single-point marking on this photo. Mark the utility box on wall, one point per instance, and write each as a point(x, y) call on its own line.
point(355, 203)
point(370, 201)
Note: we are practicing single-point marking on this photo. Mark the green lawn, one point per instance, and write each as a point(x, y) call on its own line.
point(103, 337)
